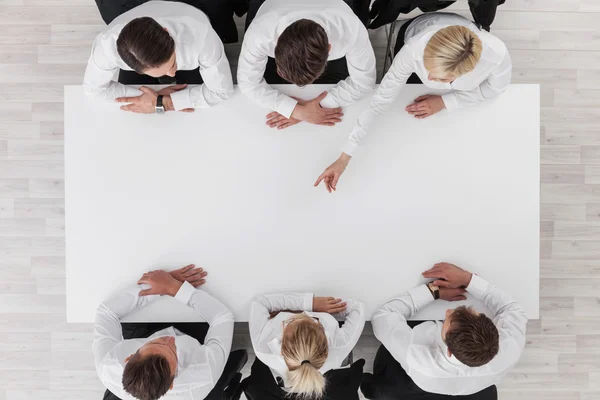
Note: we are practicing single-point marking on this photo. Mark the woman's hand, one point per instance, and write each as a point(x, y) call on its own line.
point(425, 106)
point(332, 174)
point(329, 305)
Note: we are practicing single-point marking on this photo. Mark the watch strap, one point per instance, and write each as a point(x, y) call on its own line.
point(159, 101)
point(435, 290)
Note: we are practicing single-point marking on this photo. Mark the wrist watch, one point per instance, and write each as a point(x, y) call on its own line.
point(435, 290)
point(159, 108)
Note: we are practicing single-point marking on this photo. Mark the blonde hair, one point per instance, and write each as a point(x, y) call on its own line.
point(304, 349)
point(452, 51)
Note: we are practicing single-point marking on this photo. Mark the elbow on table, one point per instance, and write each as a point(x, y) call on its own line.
point(94, 92)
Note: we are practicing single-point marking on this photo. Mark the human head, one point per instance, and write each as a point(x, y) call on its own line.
point(146, 47)
point(304, 349)
point(301, 52)
point(471, 337)
point(452, 52)
point(150, 371)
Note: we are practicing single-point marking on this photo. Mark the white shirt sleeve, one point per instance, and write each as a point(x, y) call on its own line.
point(217, 342)
point(347, 336)
point(216, 74)
point(251, 68)
point(509, 316)
point(107, 325)
point(361, 66)
point(390, 326)
point(260, 314)
point(494, 85)
point(99, 79)
point(386, 94)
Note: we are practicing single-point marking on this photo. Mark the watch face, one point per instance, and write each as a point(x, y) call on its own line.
point(160, 110)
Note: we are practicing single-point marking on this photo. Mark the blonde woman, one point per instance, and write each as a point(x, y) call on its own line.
point(443, 51)
point(299, 338)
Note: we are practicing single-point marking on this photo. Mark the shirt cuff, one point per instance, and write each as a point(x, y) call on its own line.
point(286, 108)
point(308, 302)
point(329, 102)
point(349, 148)
point(450, 101)
point(421, 296)
point(182, 99)
point(478, 287)
point(185, 292)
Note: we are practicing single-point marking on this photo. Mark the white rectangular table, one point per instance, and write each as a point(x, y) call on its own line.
point(220, 189)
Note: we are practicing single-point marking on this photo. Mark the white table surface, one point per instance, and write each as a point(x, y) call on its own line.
point(220, 189)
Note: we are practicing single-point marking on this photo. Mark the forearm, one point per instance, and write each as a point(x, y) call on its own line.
point(285, 301)
point(354, 323)
point(346, 92)
point(107, 326)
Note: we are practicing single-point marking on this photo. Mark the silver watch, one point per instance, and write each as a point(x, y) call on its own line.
point(159, 108)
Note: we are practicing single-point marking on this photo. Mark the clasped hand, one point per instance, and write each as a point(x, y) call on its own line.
point(163, 282)
point(309, 111)
point(451, 280)
point(146, 102)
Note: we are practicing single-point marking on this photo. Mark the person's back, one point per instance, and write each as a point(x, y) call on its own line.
point(463, 355)
point(159, 42)
point(169, 364)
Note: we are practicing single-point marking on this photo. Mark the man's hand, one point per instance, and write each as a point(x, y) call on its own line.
point(276, 120)
point(329, 305)
point(144, 104)
point(332, 174)
point(195, 276)
point(448, 276)
point(312, 112)
point(426, 105)
point(167, 102)
point(161, 282)
point(452, 294)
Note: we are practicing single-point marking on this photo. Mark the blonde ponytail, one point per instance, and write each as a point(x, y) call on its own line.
point(304, 348)
point(452, 51)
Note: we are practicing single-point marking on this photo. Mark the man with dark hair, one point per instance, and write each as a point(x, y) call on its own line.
point(168, 364)
point(159, 42)
point(465, 355)
point(304, 42)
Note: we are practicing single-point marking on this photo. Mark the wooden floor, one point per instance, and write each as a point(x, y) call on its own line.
point(44, 44)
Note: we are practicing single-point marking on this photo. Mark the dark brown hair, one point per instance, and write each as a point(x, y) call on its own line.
point(147, 378)
point(144, 43)
point(473, 338)
point(301, 52)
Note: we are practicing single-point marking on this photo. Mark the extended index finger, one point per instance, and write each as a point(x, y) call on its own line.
point(320, 178)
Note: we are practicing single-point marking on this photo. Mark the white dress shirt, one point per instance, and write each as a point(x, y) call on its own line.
point(199, 367)
point(490, 77)
point(423, 354)
point(266, 333)
point(196, 45)
point(346, 33)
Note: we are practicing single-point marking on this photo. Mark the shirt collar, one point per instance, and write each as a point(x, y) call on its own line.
point(443, 347)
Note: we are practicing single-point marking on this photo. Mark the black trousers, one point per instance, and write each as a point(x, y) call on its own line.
point(389, 381)
point(413, 78)
point(191, 77)
point(335, 71)
point(198, 330)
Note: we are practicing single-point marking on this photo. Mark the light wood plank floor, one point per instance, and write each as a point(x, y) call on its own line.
point(44, 44)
